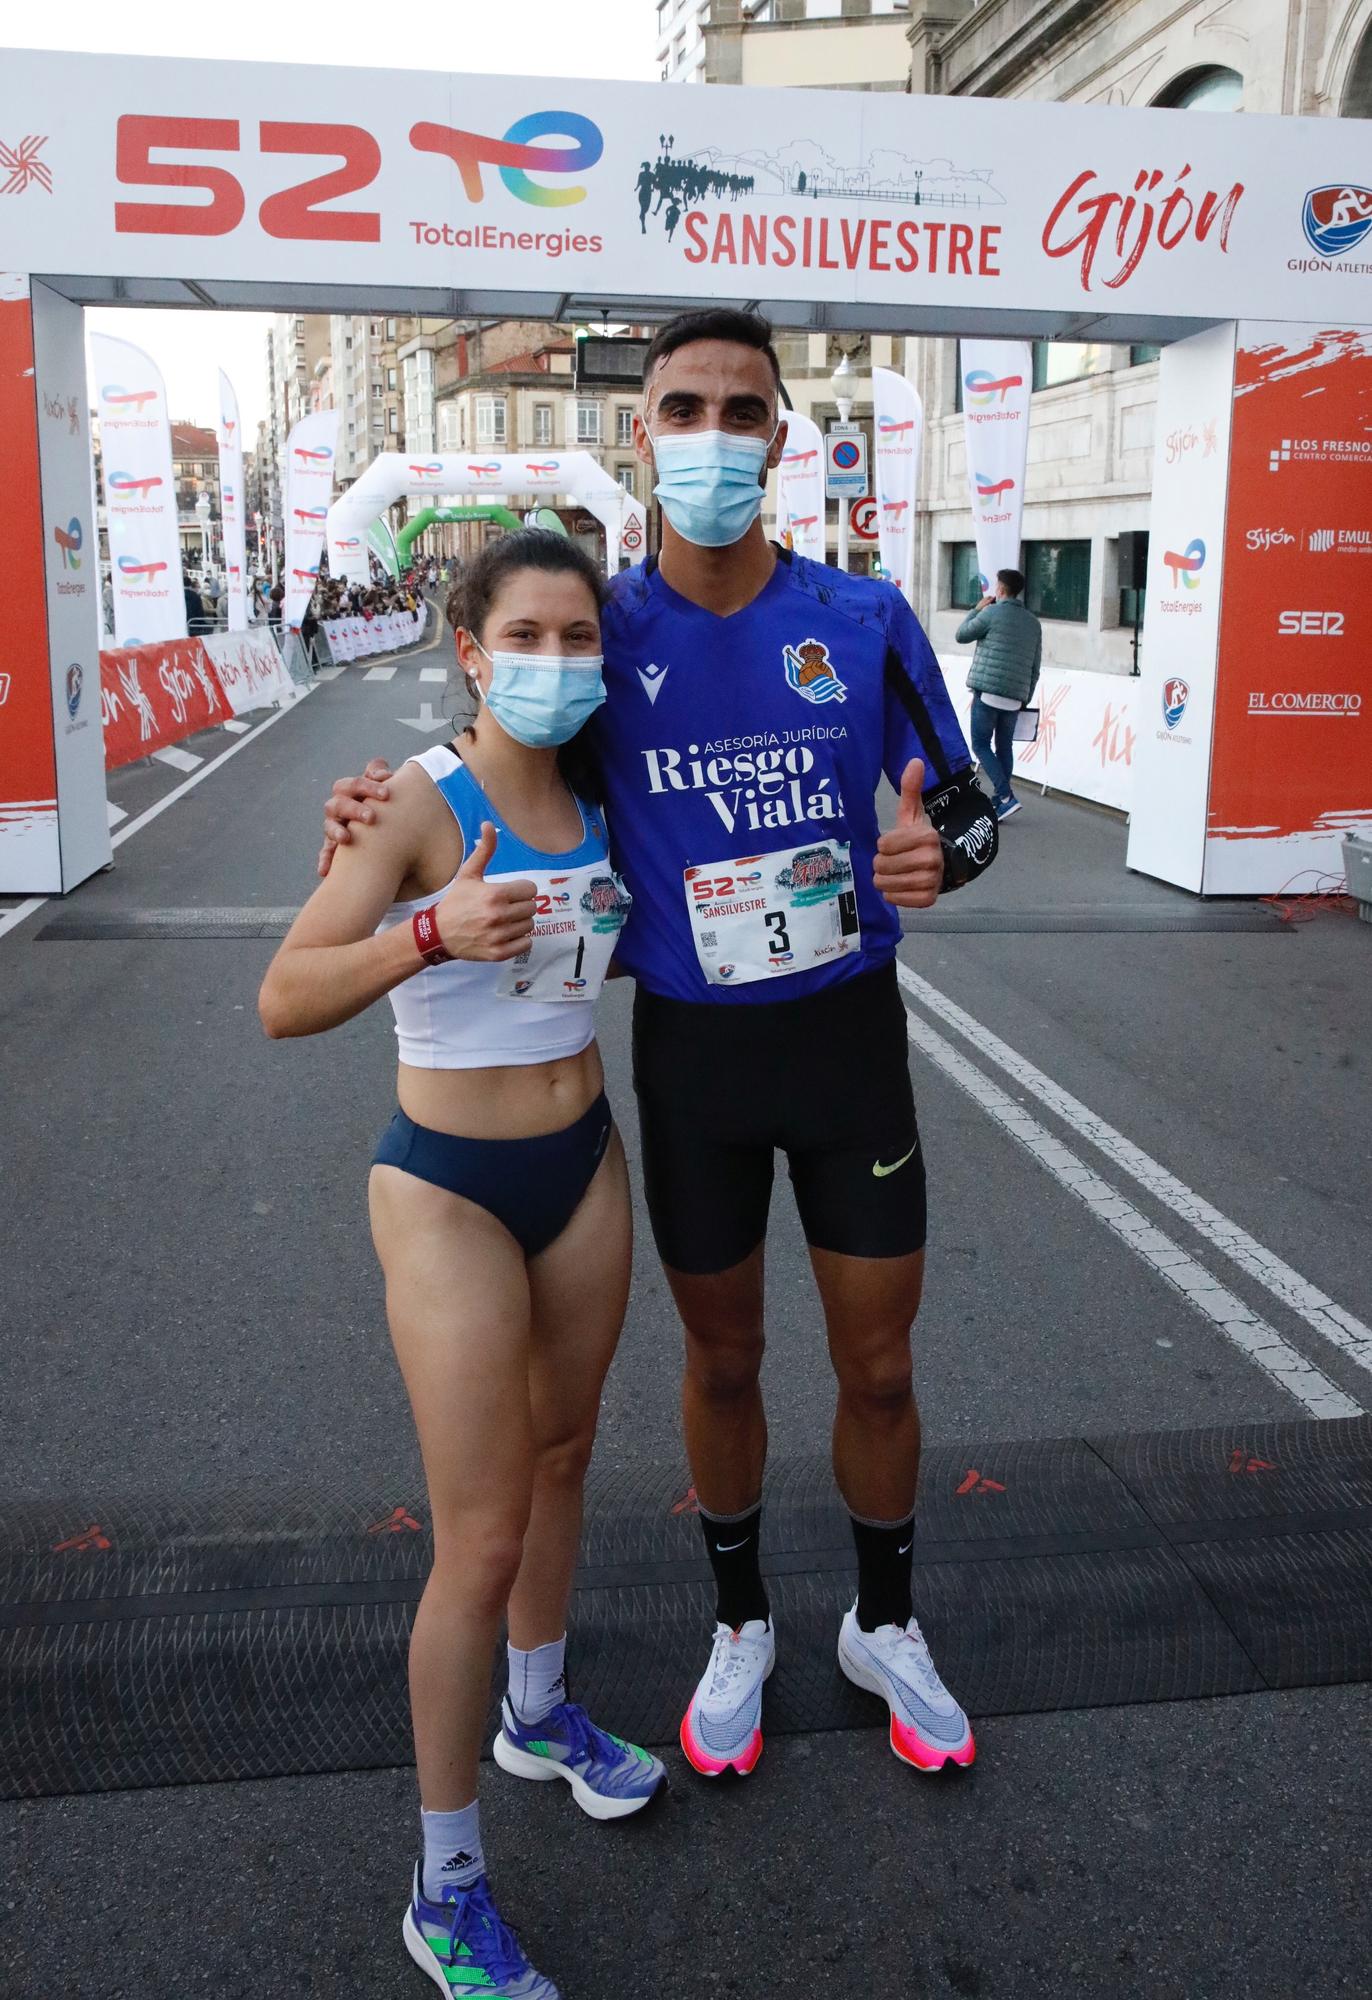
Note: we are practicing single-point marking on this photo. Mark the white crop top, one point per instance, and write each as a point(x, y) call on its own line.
point(470, 1014)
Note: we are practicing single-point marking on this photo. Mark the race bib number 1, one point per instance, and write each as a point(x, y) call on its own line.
point(765, 916)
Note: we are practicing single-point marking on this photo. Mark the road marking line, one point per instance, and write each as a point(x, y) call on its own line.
point(114, 813)
point(433, 673)
point(379, 673)
point(234, 726)
point(1245, 1329)
point(180, 791)
point(329, 673)
point(10, 918)
point(180, 760)
point(1341, 1328)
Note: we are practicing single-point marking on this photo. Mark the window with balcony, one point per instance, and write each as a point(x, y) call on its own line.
point(624, 426)
point(543, 423)
point(588, 423)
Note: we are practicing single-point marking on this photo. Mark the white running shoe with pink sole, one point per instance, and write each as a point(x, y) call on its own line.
point(928, 1727)
point(722, 1729)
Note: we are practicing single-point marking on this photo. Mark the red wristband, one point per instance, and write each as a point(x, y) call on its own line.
point(424, 924)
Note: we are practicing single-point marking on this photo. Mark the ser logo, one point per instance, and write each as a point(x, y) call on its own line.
point(294, 213)
point(1310, 624)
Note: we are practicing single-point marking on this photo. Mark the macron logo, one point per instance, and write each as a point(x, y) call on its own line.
point(652, 677)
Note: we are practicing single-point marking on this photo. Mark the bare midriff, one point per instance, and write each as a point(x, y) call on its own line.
point(514, 1101)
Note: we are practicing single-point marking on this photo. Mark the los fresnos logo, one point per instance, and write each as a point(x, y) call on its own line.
point(294, 214)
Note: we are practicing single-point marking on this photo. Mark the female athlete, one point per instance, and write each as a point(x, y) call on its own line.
point(483, 902)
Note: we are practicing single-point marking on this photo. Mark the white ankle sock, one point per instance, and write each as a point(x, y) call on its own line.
point(538, 1680)
point(452, 1849)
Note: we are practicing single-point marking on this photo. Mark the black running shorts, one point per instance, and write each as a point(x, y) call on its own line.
point(824, 1080)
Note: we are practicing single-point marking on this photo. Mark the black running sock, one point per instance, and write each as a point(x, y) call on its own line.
point(884, 1559)
point(731, 1542)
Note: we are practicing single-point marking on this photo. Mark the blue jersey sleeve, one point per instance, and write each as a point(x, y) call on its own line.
point(919, 717)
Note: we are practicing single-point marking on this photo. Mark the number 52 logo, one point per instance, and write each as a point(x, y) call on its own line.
point(294, 214)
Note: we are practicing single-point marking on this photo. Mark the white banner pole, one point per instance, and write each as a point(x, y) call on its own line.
point(997, 381)
point(140, 494)
point(232, 502)
point(898, 417)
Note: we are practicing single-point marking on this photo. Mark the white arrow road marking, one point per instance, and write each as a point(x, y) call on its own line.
point(114, 813)
point(426, 720)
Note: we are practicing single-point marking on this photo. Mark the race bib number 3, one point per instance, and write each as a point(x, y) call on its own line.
point(765, 916)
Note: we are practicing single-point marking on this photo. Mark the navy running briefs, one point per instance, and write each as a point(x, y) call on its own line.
point(532, 1186)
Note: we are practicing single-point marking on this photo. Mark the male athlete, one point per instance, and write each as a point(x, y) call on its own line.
point(754, 700)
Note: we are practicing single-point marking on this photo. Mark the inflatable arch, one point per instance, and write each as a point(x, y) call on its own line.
point(493, 476)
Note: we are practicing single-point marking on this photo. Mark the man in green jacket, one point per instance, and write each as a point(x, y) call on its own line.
point(1004, 674)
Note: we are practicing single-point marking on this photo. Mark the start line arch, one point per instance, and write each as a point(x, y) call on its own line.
point(394, 475)
point(232, 184)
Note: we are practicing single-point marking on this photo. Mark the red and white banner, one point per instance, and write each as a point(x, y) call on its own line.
point(360, 638)
point(1088, 730)
point(230, 433)
point(1291, 768)
point(249, 669)
point(151, 696)
point(898, 427)
point(997, 381)
point(309, 485)
point(800, 487)
point(140, 493)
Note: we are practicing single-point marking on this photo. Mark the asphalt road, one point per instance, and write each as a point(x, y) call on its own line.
point(193, 1307)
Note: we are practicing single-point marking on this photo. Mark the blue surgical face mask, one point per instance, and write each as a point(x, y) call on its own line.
point(708, 483)
point(542, 699)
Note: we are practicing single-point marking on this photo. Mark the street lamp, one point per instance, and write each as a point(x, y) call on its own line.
point(843, 389)
point(202, 515)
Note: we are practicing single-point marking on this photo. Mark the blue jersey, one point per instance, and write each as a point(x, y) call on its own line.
point(762, 734)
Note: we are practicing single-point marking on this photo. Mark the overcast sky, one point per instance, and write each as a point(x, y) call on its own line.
point(597, 38)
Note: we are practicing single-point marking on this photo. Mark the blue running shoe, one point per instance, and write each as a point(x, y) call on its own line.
point(609, 1777)
point(465, 1946)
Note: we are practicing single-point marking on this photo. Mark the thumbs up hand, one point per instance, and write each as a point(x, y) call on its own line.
point(485, 920)
point(909, 862)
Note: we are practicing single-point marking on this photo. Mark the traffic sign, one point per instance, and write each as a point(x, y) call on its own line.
point(862, 518)
point(845, 460)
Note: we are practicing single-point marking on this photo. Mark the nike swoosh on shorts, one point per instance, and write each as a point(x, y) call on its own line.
point(881, 1172)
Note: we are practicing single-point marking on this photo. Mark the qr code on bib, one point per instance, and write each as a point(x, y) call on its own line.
point(710, 940)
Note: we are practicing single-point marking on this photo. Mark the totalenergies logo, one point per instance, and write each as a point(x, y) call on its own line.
point(350, 542)
point(484, 469)
point(119, 398)
point(321, 454)
point(514, 156)
point(992, 489)
point(894, 508)
point(429, 470)
point(229, 496)
point(798, 457)
point(305, 575)
point(125, 482)
point(891, 427)
point(69, 540)
point(982, 389)
point(306, 514)
point(544, 466)
point(1187, 566)
point(130, 566)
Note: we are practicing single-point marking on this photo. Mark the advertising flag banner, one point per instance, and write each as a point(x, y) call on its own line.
point(230, 435)
point(153, 696)
point(309, 485)
point(1291, 766)
point(997, 380)
point(800, 485)
point(140, 493)
point(898, 423)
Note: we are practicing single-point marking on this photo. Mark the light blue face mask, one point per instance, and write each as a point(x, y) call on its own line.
point(542, 699)
point(707, 482)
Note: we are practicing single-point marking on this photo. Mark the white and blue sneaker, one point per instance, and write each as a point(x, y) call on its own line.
point(928, 1727)
point(609, 1777)
point(722, 1729)
point(465, 1946)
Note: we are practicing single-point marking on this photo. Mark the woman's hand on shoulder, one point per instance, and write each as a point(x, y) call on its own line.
point(485, 920)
